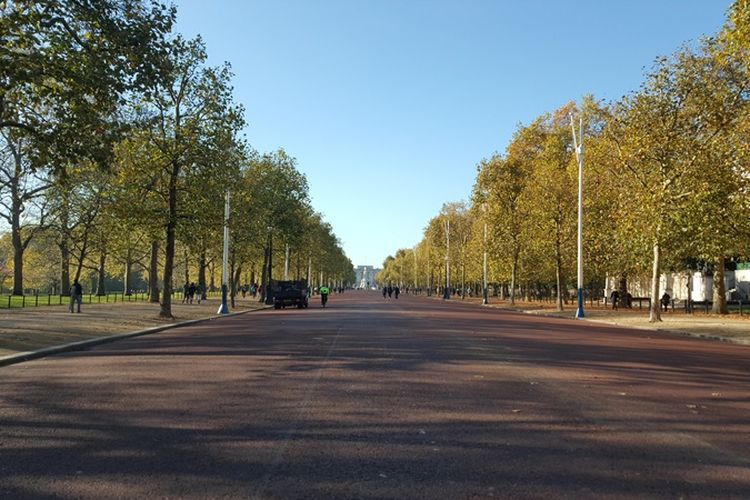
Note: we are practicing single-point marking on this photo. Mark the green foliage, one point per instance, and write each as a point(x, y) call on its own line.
point(666, 180)
point(133, 140)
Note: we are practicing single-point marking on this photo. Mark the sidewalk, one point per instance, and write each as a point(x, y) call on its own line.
point(31, 329)
point(732, 328)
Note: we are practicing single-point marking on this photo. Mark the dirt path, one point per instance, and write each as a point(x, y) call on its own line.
point(733, 327)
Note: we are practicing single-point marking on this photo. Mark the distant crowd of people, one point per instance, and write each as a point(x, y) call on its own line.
point(251, 289)
point(389, 291)
point(191, 291)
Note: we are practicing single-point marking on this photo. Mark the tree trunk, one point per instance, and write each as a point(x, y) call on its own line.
point(17, 262)
point(463, 281)
point(212, 269)
point(166, 300)
point(153, 273)
point(64, 246)
point(558, 281)
point(231, 277)
point(18, 246)
point(128, 271)
point(187, 265)
point(236, 281)
point(655, 310)
point(80, 258)
point(202, 273)
point(100, 286)
point(720, 290)
point(624, 292)
point(309, 271)
point(513, 274)
point(20, 193)
point(264, 275)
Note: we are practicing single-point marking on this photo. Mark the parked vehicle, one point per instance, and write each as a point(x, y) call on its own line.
point(290, 293)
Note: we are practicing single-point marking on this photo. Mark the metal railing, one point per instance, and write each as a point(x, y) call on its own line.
point(40, 300)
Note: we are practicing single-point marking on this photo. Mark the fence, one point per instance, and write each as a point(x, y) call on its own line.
point(19, 301)
point(37, 300)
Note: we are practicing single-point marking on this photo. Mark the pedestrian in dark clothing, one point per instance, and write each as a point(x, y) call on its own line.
point(397, 291)
point(665, 301)
point(615, 298)
point(191, 293)
point(185, 292)
point(390, 291)
point(76, 296)
point(199, 292)
point(385, 291)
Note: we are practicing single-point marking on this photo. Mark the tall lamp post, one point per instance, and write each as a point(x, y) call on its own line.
point(223, 308)
point(485, 294)
point(578, 143)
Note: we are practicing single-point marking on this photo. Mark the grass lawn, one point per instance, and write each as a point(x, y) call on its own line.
point(17, 301)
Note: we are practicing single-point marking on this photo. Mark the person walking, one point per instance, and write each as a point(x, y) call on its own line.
point(397, 291)
point(615, 297)
point(191, 292)
point(185, 292)
point(76, 296)
point(385, 291)
point(198, 293)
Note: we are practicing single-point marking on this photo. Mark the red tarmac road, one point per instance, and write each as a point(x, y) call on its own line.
point(368, 398)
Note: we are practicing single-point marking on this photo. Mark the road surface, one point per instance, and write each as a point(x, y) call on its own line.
point(370, 398)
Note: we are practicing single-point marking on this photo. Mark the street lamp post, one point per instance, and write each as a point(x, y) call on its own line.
point(224, 308)
point(578, 143)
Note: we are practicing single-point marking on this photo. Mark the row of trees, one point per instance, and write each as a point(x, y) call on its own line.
point(118, 143)
point(666, 186)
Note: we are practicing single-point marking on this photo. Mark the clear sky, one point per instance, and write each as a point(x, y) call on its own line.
point(388, 105)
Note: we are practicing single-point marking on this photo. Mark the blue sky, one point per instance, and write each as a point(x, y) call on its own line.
point(389, 105)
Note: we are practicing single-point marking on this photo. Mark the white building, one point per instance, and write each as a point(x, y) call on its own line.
point(699, 285)
point(365, 276)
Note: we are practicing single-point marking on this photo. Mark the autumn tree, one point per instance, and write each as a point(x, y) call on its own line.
point(188, 104)
point(21, 199)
